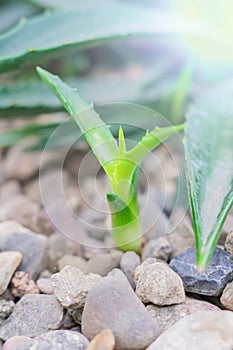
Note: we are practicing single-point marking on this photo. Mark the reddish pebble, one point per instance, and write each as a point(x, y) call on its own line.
point(22, 284)
point(14, 342)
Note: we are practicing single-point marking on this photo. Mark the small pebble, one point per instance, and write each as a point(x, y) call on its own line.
point(34, 314)
point(9, 261)
point(71, 286)
point(111, 303)
point(56, 340)
point(227, 296)
point(158, 284)
point(203, 330)
point(68, 322)
point(33, 247)
point(211, 282)
point(105, 340)
point(45, 285)
point(128, 264)
point(159, 248)
point(22, 284)
point(103, 263)
point(6, 308)
point(229, 244)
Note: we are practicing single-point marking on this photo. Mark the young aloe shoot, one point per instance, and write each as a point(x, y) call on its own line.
point(120, 164)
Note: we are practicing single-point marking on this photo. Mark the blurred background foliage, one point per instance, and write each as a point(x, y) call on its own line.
point(158, 53)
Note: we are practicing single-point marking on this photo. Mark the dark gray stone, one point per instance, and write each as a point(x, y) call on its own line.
point(32, 316)
point(111, 303)
point(57, 340)
point(33, 247)
point(210, 282)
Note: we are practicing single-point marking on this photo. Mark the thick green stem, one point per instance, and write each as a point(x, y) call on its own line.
point(129, 236)
point(126, 222)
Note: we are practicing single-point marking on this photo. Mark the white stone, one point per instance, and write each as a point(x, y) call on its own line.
point(203, 330)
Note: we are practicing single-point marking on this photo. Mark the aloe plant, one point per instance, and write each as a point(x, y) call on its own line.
point(209, 165)
point(120, 165)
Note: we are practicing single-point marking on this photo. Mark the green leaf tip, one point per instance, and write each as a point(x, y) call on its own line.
point(151, 140)
point(121, 140)
point(95, 131)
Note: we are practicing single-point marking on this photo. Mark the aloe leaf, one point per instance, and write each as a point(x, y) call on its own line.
point(152, 140)
point(57, 5)
point(28, 97)
point(12, 11)
point(42, 36)
point(209, 166)
point(179, 97)
point(95, 131)
point(14, 136)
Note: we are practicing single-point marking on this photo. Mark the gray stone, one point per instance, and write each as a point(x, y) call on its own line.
point(111, 303)
point(128, 264)
point(229, 244)
point(34, 248)
point(103, 263)
point(227, 296)
point(203, 330)
point(210, 282)
point(166, 316)
point(71, 286)
point(9, 261)
point(159, 248)
point(158, 284)
point(6, 308)
point(72, 260)
point(32, 316)
point(56, 340)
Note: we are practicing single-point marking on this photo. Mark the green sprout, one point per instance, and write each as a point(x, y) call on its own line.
point(120, 165)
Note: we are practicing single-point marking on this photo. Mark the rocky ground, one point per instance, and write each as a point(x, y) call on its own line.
point(57, 293)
